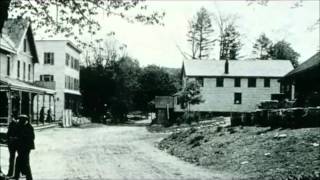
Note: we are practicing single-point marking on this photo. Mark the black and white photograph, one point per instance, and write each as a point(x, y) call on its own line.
point(159, 89)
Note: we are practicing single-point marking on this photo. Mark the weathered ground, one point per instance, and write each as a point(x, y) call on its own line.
point(106, 152)
point(254, 152)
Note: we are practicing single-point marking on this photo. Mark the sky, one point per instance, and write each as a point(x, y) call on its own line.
point(155, 44)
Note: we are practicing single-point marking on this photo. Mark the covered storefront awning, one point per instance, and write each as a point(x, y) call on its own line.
point(14, 84)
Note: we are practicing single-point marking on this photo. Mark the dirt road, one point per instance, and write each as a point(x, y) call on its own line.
point(106, 152)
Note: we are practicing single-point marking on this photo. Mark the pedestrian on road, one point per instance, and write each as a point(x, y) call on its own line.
point(12, 139)
point(41, 118)
point(25, 145)
point(49, 117)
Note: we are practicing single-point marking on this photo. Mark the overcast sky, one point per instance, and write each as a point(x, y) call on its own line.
point(158, 44)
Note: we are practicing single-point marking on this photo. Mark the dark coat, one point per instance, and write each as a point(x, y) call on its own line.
point(25, 137)
point(12, 135)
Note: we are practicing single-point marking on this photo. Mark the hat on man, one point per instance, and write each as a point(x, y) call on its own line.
point(23, 118)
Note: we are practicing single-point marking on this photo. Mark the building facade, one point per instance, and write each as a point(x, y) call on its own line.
point(18, 56)
point(58, 69)
point(233, 86)
point(305, 80)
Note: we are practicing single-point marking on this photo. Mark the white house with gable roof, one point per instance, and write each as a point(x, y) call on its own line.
point(235, 85)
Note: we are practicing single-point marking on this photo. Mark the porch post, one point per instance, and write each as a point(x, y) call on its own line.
point(37, 109)
point(292, 92)
point(54, 106)
point(9, 106)
point(20, 102)
point(43, 99)
point(49, 104)
point(30, 114)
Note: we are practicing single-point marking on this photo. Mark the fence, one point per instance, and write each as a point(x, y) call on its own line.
point(286, 118)
point(70, 120)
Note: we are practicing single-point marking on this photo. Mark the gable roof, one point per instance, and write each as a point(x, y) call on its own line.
point(309, 64)
point(238, 68)
point(14, 31)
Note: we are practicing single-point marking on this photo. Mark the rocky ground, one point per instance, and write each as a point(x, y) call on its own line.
point(107, 152)
point(252, 152)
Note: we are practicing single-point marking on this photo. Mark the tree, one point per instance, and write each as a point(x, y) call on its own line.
point(262, 47)
point(190, 95)
point(126, 74)
point(154, 81)
point(230, 44)
point(73, 17)
point(97, 87)
point(283, 50)
point(229, 37)
point(200, 35)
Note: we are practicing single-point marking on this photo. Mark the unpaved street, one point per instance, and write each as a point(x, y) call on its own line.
point(106, 152)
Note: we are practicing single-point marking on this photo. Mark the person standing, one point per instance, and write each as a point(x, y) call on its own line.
point(41, 119)
point(49, 117)
point(12, 139)
point(25, 145)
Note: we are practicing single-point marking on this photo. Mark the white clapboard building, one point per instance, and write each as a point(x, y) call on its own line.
point(234, 85)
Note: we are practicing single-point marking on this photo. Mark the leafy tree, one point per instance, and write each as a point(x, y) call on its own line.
point(126, 74)
point(230, 44)
point(73, 17)
point(262, 47)
point(200, 35)
point(97, 87)
point(154, 81)
point(283, 50)
point(190, 95)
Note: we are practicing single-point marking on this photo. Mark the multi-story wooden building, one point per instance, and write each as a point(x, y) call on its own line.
point(18, 56)
point(235, 85)
point(58, 69)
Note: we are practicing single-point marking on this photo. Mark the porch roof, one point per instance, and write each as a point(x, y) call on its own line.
point(14, 84)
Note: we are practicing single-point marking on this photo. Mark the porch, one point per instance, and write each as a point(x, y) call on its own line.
point(18, 97)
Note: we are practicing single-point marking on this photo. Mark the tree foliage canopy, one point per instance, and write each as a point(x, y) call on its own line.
point(73, 17)
point(191, 94)
point(230, 44)
point(283, 50)
point(262, 47)
point(200, 35)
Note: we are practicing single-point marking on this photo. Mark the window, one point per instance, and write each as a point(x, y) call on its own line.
point(48, 58)
point(71, 62)
point(237, 82)
point(266, 82)
point(8, 65)
point(252, 82)
point(219, 82)
point(25, 45)
point(67, 59)
point(200, 81)
point(18, 69)
point(29, 72)
point(66, 81)
point(46, 78)
point(24, 71)
point(237, 98)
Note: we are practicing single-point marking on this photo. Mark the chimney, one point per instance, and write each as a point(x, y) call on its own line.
point(226, 67)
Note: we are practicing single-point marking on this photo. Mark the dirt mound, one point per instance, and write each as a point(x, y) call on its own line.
point(256, 153)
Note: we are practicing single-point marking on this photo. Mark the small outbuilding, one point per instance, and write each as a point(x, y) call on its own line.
point(164, 108)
